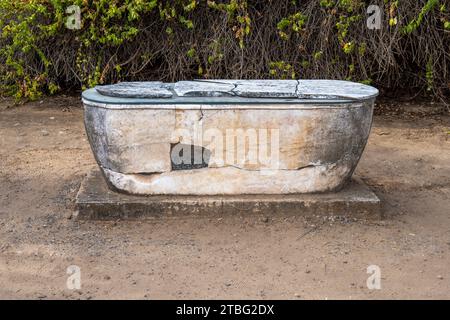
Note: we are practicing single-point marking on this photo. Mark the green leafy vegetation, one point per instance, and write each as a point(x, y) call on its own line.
point(123, 40)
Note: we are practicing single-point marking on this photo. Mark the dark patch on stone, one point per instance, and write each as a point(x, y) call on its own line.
point(188, 157)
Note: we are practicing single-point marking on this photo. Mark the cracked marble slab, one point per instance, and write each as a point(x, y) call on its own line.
point(332, 89)
point(145, 89)
point(293, 89)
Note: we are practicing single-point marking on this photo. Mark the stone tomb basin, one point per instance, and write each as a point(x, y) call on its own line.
point(228, 137)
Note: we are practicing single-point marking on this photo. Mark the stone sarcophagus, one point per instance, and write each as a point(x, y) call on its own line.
point(228, 137)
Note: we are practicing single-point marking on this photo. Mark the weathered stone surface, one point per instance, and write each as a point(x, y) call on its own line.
point(96, 201)
point(203, 89)
point(130, 141)
point(333, 89)
point(230, 180)
point(262, 88)
point(266, 88)
point(150, 89)
point(307, 146)
point(306, 136)
point(139, 140)
point(253, 89)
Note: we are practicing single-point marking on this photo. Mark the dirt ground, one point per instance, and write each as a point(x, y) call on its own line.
point(44, 155)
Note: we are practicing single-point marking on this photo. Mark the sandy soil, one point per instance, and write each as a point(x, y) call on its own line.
point(44, 155)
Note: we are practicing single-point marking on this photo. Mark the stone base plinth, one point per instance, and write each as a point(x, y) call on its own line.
point(96, 201)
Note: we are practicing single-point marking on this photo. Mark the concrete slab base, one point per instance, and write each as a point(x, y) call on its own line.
point(96, 201)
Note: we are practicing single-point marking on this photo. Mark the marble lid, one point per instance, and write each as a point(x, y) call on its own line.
point(145, 89)
point(233, 91)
